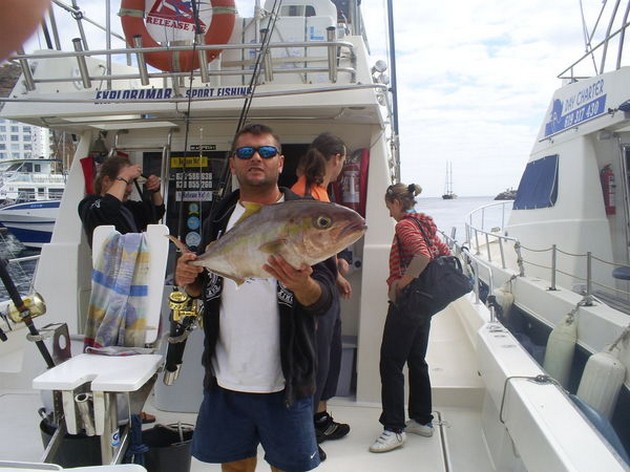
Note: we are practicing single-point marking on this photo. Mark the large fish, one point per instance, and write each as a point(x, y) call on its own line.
point(301, 231)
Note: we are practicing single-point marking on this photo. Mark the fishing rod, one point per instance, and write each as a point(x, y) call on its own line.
point(183, 309)
point(266, 40)
point(25, 312)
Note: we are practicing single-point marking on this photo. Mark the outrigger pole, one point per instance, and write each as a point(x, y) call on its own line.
point(393, 89)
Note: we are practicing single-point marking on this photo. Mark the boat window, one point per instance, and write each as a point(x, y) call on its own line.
point(297, 10)
point(539, 184)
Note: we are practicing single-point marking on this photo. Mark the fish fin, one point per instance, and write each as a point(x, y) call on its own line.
point(179, 244)
point(273, 247)
point(251, 208)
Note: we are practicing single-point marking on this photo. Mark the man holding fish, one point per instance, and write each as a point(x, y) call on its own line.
point(268, 279)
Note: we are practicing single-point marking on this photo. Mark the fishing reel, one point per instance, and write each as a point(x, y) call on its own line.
point(35, 306)
point(185, 314)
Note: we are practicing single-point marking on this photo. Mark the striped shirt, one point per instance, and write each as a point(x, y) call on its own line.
point(409, 241)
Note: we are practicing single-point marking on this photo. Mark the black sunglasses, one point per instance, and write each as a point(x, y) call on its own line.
point(247, 152)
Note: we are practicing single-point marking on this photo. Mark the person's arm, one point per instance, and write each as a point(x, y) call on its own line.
point(187, 276)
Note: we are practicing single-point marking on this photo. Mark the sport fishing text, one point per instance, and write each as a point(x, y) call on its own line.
point(166, 94)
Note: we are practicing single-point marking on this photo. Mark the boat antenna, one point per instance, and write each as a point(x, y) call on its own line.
point(393, 89)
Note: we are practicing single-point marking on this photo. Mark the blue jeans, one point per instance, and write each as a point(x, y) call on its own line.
point(405, 339)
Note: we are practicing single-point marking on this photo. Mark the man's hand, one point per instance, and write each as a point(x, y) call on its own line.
point(186, 274)
point(299, 281)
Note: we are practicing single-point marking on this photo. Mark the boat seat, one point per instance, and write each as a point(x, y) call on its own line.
point(622, 273)
point(107, 376)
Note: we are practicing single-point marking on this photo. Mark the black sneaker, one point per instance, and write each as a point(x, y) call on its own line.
point(326, 428)
point(322, 454)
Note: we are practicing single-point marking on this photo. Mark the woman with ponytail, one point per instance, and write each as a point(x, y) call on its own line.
point(405, 337)
point(321, 166)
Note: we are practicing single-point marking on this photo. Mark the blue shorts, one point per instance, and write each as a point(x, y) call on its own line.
point(230, 425)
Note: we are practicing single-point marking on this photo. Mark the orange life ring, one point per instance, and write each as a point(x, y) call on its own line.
point(218, 32)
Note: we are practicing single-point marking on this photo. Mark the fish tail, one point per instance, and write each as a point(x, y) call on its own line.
point(179, 244)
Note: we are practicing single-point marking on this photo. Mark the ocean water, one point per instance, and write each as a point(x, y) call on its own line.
point(449, 214)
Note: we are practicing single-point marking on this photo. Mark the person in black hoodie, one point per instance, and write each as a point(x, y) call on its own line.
point(259, 357)
point(110, 204)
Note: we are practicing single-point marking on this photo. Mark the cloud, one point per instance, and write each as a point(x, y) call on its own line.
point(474, 81)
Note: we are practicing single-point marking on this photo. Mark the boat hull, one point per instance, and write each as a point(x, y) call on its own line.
point(31, 222)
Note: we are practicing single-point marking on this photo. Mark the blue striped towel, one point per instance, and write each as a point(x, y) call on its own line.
point(116, 314)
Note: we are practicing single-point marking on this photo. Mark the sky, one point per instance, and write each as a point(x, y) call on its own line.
point(474, 80)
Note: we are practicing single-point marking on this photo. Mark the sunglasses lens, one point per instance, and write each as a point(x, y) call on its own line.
point(245, 152)
point(267, 152)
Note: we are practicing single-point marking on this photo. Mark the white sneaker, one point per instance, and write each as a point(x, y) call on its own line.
point(387, 441)
point(414, 427)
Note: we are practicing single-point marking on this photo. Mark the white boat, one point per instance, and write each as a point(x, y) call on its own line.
point(31, 222)
point(563, 255)
point(309, 73)
point(30, 180)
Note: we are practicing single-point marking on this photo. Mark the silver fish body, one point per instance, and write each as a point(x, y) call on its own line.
point(301, 231)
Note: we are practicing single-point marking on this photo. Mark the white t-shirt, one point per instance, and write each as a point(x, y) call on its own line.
point(247, 355)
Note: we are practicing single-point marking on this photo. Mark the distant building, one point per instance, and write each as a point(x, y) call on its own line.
point(19, 140)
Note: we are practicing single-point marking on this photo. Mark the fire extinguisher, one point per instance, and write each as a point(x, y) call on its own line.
point(350, 184)
point(607, 177)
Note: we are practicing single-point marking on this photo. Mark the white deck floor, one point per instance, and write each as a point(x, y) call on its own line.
point(458, 444)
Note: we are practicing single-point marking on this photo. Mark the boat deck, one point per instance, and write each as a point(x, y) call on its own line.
point(457, 445)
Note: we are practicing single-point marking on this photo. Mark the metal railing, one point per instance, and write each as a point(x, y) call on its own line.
point(481, 244)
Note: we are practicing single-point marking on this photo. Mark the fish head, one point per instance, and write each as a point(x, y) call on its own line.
point(321, 229)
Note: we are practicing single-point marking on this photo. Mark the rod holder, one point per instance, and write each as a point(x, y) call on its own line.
point(83, 70)
point(331, 36)
point(26, 72)
point(203, 59)
point(267, 56)
point(84, 405)
point(142, 63)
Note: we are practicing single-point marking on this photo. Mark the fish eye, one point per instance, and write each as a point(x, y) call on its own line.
point(323, 222)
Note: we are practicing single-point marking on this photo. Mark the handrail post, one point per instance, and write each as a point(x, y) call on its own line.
point(488, 247)
point(501, 250)
point(588, 298)
point(519, 259)
point(554, 267)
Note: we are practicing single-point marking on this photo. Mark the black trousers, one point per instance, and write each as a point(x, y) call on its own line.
point(329, 350)
point(405, 340)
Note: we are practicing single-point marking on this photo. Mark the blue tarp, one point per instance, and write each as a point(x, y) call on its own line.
point(539, 185)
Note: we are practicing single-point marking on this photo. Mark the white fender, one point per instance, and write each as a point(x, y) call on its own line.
point(505, 299)
point(560, 350)
point(601, 382)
